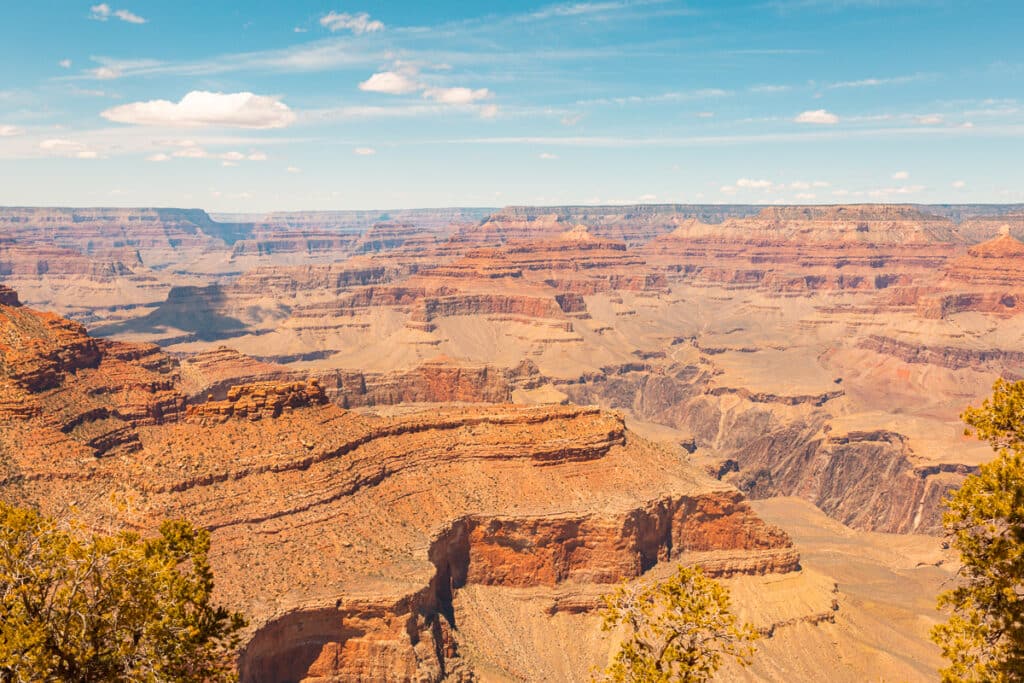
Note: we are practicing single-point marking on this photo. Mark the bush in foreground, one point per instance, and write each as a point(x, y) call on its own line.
point(678, 630)
point(83, 608)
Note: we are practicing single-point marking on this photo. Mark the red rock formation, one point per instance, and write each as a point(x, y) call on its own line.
point(95, 391)
point(259, 400)
point(343, 537)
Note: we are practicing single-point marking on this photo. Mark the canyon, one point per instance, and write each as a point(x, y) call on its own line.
point(426, 442)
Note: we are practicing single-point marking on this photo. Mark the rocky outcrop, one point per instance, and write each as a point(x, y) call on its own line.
point(863, 479)
point(434, 307)
point(56, 379)
point(258, 401)
point(1002, 361)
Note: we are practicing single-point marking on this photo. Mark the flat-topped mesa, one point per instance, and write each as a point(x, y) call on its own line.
point(157, 233)
point(797, 250)
point(356, 221)
point(36, 260)
point(865, 224)
point(634, 225)
point(259, 400)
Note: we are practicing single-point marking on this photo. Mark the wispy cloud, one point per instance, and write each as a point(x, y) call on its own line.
point(67, 148)
point(673, 96)
point(873, 82)
point(768, 88)
point(364, 151)
point(7, 131)
point(103, 12)
point(356, 23)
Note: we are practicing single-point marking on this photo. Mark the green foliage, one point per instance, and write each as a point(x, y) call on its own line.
point(109, 608)
point(679, 630)
point(984, 636)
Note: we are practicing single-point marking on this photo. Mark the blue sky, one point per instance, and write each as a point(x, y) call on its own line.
point(268, 105)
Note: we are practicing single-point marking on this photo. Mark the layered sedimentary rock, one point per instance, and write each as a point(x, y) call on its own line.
point(69, 386)
point(346, 538)
point(632, 224)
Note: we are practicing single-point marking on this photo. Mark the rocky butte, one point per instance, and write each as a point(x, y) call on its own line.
point(427, 442)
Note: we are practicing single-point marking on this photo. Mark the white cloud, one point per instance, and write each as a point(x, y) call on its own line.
point(705, 114)
point(356, 23)
point(488, 111)
point(887, 191)
point(125, 15)
point(820, 116)
point(9, 131)
point(102, 12)
point(299, 30)
point(64, 63)
point(672, 96)
point(158, 157)
point(648, 197)
point(390, 82)
point(958, 184)
point(805, 196)
point(547, 155)
point(800, 185)
point(201, 108)
point(900, 175)
point(872, 82)
point(571, 119)
point(232, 156)
point(456, 95)
point(293, 169)
point(750, 184)
point(67, 148)
point(106, 73)
point(727, 189)
point(929, 119)
point(191, 152)
point(769, 88)
point(820, 183)
point(257, 156)
point(364, 151)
